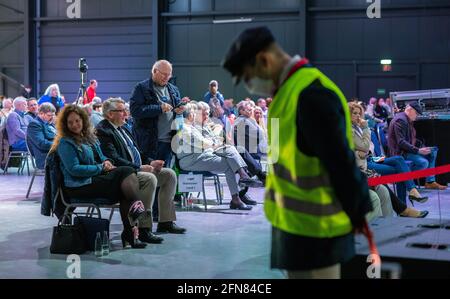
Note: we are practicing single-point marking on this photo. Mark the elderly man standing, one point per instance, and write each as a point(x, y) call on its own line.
point(118, 144)
point(16, 125)
point(153, 106)
point(41, 133)
point(213, 92)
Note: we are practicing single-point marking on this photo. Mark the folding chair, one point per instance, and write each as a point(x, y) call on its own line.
point(208, 176)
point(36, 171)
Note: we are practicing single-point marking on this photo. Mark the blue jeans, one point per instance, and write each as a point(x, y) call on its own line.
point(19, 146)
point(423, 162)
point(394, 165)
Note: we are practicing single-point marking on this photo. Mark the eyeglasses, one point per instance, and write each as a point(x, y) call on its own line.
point(168, 75)
point(120, 111)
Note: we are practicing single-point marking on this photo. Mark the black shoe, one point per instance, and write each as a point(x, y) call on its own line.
point(241, 206)
point(146, 236)
point(170, 227)
point(243, 192)
point(248, 201)
point(262, 177)
point(127, 237)
point(249, 182)
point(418, 199)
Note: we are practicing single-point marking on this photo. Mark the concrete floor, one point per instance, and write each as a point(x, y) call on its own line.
point(219, 244)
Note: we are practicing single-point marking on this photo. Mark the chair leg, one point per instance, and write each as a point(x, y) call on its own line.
point(111, 214)
point(31, 184)
point(204, 196)
point(7, 164)
point(217, 186)
point(28, 166)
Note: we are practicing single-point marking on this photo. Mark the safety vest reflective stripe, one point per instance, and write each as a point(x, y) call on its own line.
point(305, 207)
point(306, 183)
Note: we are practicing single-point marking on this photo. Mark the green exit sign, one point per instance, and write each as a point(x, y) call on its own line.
point(381, 91)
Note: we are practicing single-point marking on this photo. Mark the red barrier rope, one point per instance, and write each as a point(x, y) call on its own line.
point(396, 178)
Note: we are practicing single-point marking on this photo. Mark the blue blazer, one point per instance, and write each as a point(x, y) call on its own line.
point(40, 136)
point(77, 162)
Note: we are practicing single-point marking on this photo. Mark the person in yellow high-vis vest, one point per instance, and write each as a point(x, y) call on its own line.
point(316, 197)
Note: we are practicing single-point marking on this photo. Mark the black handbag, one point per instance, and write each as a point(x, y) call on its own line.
point(68, 239)
point(92, 226)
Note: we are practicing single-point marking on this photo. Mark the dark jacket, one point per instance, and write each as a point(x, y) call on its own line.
point(145, 109)
point(112, 145)
point(50, 204)
point(402, 136)
point(40, 137)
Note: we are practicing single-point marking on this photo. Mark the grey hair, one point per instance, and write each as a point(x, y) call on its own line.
point(159, 63)
point(46, 108)
point(189, 108)
point(203, 106)
point(19, 100)
point(111, 104)
point(214, 82)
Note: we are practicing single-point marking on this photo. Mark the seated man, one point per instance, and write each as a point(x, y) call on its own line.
point(41, 133)
point(248, 133)
point(118, 144)
point(33, 107)
point(402, 141)
point(16, 125)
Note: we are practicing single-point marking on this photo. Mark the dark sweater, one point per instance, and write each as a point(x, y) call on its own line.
point(322, 133)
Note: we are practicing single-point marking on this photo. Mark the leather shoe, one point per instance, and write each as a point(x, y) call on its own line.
point(146, 236)
point(435, 186)
point(249, 182)
point(241, 206)
point(170, 227)
point(248, 201)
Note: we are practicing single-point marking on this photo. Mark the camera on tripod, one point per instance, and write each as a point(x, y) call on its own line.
point(82, 65)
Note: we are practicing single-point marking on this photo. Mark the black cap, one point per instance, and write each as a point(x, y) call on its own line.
point(416, 107)
point(244, 48)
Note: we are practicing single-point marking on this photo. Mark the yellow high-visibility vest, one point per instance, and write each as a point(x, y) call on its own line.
point(299, 198)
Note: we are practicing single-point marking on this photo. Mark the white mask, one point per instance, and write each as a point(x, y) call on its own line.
point(261, 87)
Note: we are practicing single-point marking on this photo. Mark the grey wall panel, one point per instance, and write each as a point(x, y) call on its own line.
point(11, 45)
point(196, 46)
point(118, 49)
point(416, 37)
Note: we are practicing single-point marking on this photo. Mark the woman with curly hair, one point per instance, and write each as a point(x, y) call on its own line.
point(89, 174)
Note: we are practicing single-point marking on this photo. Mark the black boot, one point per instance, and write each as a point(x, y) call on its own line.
point(146, 236)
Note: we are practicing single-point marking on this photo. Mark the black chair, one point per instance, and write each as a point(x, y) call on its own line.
point(92, 205)
point(36, 171)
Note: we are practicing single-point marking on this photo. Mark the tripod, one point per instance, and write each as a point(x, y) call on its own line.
point(82, 89)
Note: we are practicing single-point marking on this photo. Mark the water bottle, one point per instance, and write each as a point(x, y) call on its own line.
point(179, 120)
point(98, 245)
point(105, 243)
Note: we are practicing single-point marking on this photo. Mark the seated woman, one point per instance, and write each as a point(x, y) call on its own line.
point(89, 174)
point(361, 137)
point(197, 153)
